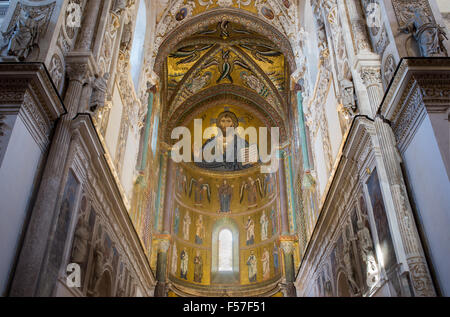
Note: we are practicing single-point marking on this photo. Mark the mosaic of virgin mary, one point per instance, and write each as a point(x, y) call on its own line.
point(227, 159)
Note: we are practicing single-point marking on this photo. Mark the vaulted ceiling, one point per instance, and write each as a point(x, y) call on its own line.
point(226, 58)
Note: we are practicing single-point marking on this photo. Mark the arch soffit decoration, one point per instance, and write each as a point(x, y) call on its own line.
point(225, 94)
point(214, 16)
point(280, 105)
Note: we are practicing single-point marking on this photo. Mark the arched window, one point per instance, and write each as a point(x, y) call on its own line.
point(225, 251)
point(137, 51)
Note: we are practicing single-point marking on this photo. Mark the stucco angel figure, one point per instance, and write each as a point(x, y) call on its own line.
point(98, 266)
point(348, 97)
point(367, 253)
point(349, 268)
point(23, 37)
point(120, 5)
point(99, 90)
point(80, 242)
point(428, 35)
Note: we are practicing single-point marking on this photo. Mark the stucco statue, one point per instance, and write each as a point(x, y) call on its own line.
point(349, 268)
point(428, 35)
point(98, 267)
point(98, 97)
point(121, 5)
point(348, 96)
point(367, 253)
point(23, 37)
point(126, 36)
point(80, 242)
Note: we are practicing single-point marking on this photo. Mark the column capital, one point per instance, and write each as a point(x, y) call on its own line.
point(371, 75)
point(287, 247)
point(80, 65)
point(163, 245)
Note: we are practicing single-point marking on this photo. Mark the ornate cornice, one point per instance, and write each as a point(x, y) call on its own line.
point(420, 85)
point(29, 87)
point(15, 78)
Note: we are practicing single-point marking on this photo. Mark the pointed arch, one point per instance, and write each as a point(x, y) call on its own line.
point(204, 20)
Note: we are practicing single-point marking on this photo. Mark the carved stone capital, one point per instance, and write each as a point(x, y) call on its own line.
point(164, 246)
point(80, 66)
point(287, 247)
point(371, 76)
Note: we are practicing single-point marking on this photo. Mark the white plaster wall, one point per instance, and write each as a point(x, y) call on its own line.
point(334, 128)
point(320, 163)
point(444, 5)
point(113, 128)
point(129, 163)
point(431, 191)
point(17, 177)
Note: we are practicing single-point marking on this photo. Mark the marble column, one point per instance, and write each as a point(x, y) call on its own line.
point(283, 195)
point(416, 263)
point(161, 269)
point(289, 269)
point(371, 77)
point(169, 195)
point(84, 42)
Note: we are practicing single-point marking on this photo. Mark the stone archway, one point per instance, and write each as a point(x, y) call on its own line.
point(225, 94)
point(215, 16)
